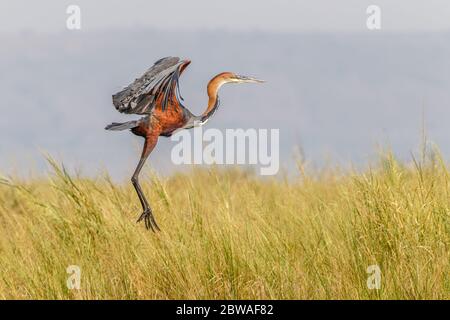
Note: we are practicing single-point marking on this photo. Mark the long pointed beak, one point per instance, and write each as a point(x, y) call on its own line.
point(242, 79)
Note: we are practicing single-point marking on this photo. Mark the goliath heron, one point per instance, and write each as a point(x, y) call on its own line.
point(156, 95)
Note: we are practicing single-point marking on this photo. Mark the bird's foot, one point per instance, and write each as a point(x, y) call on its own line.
point(149, 220)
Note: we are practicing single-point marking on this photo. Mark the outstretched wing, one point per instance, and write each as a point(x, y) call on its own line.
point(158, 82)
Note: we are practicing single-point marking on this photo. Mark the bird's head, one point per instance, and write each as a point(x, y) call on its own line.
point(214, 86)
point(230, 77)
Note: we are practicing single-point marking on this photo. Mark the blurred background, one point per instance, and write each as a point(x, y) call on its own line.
point(335, 89)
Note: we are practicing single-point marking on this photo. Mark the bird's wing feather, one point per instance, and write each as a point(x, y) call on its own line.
point(161, 80)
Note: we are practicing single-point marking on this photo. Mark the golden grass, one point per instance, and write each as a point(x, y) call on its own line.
point(230, 235)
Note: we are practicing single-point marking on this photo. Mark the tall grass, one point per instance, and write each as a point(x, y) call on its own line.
point(229, 235)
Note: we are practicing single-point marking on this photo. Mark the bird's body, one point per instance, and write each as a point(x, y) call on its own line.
point(156, 96)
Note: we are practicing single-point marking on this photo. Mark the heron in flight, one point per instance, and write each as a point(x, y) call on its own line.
point(156, 95)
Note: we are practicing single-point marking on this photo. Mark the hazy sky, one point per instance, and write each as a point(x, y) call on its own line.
point(280, 15)
point(334, 88)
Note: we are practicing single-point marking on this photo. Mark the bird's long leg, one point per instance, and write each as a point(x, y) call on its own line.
point(147, 214)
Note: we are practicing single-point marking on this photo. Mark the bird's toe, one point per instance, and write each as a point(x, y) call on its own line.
point(149, 220)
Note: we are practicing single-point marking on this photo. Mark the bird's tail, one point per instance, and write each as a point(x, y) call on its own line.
point(122, 126)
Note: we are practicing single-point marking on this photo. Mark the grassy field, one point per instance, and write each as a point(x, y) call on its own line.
point(230, 235)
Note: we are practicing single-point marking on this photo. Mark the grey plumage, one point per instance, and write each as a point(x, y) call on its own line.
point(140, 96)
point(115, 126)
